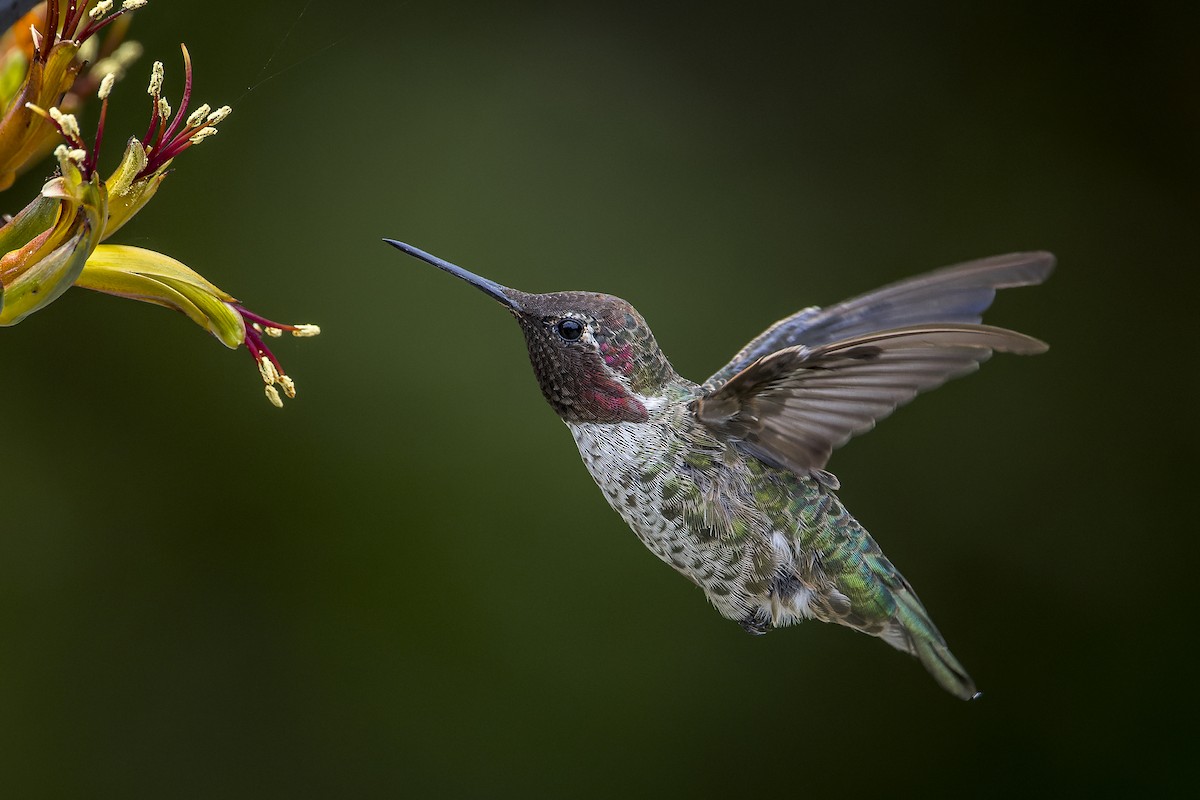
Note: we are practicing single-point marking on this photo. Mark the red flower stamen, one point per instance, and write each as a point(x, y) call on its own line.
point(187, 94)
point(268, 365)
point(47, 43)
point(165, 140)
point(70, 28)
point(89, 163)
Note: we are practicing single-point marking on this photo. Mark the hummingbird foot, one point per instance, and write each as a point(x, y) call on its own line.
point(757, 623)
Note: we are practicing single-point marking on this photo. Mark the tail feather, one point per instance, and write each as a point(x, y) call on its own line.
point(919, 637)
point(945, 669)
point(857, 586)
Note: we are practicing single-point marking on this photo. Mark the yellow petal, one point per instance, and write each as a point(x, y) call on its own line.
point(127, 196)
point(46, 244)
point(25, 136)
point(36, 288)
point(151, 277)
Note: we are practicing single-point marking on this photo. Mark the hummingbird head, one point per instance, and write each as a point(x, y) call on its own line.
point(593, 354)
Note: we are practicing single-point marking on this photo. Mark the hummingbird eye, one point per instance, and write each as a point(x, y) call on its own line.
point(569, 329)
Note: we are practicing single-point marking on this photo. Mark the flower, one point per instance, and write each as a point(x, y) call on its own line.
point(139, 274)
point(47, 244)
point(144, 165)
point(52, 60)
point(57, 241)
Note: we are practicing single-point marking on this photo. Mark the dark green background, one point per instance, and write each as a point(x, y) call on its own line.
point(405, 583)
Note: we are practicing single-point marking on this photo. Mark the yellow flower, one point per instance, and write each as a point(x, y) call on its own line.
point(139, 274)
point(46, 245)
point(146, 161)
point(55, 242)
point(51, 68)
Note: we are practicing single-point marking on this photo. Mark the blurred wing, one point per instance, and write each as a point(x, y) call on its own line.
point(793, 407)
point(958, 294)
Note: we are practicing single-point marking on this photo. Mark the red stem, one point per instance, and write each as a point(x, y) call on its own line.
point(74, 14)
point(89, 164)
point(95, 27)
point(266, 323)
point(51, 31)
point(257, 348)
point(153, 120)
point(187, 94)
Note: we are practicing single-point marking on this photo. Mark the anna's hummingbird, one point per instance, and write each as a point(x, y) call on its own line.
point(725, 481)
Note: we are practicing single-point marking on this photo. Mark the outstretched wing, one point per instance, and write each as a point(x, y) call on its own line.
point(793, 407)
point(958, 294)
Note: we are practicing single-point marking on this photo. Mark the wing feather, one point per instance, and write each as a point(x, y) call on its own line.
point(792, 408)
point(957, 294)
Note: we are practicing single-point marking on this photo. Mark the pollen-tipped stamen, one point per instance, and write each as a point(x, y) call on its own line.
point(157, 73)
point(197, 117)
point(187, 94)
point(69, 30)
point(267, 368)
point(105, 89)
point(67, 127)
point(260, 352)
point(100, 21)
point(268, 365)
point(166, 136)
point(266, 325)
point(101, 9)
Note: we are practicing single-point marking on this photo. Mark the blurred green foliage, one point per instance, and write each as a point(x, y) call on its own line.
point(405, 583)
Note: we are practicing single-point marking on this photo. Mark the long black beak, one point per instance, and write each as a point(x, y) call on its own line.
point(502, 293)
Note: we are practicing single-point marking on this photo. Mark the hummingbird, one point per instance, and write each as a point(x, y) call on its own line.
point(726, 480)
